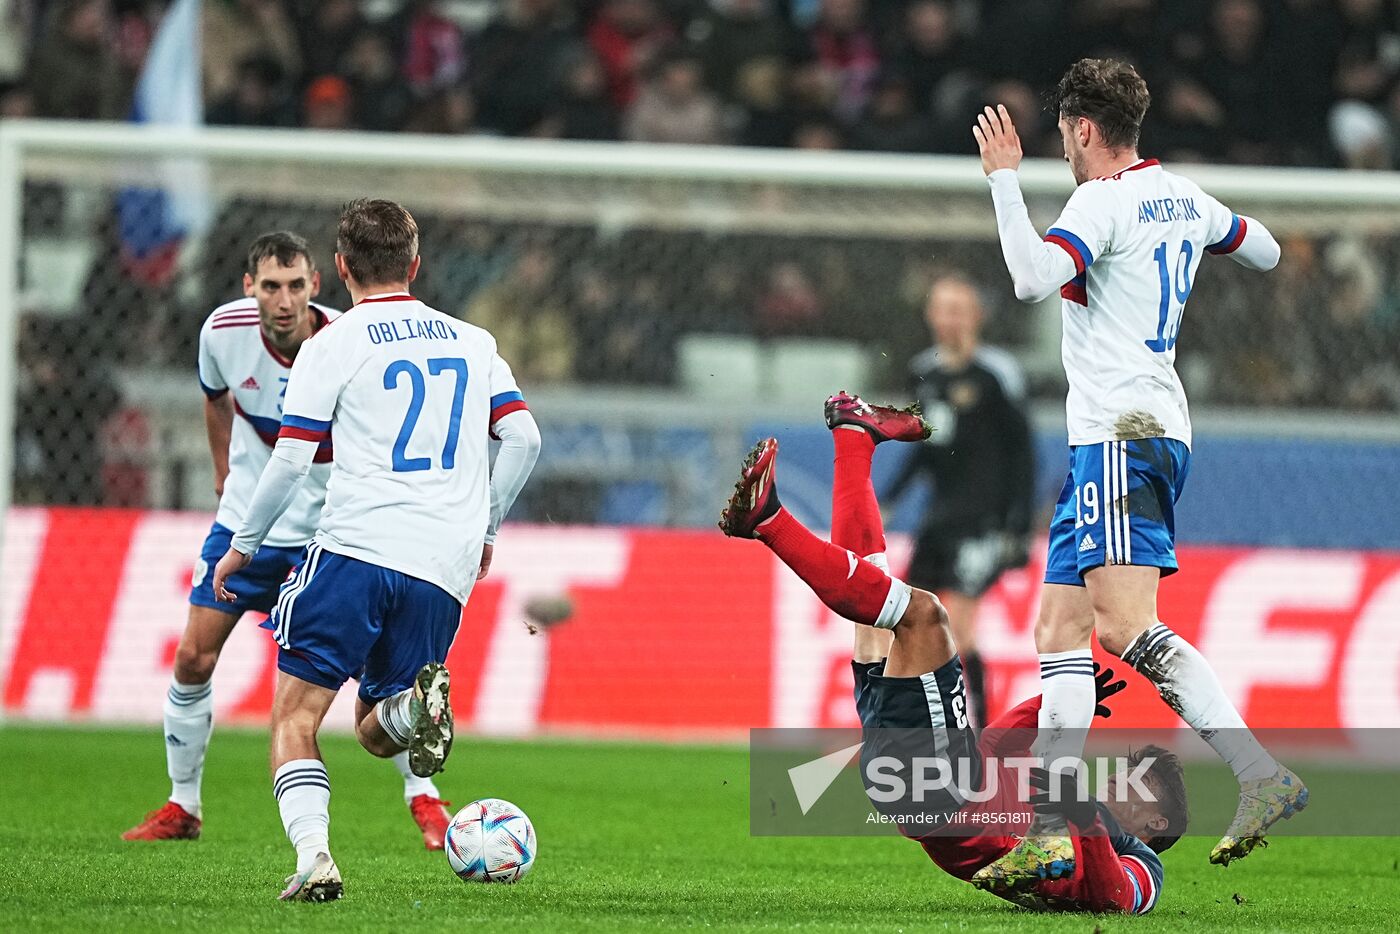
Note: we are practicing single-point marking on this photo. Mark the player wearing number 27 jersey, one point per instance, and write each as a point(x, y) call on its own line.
point(413, 505)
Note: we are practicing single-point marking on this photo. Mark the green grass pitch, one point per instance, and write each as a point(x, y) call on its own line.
point(632, 837)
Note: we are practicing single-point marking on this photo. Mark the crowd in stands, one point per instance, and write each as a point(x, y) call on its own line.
point(1305, 82)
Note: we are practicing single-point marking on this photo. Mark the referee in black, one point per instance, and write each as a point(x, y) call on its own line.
point(979, 462)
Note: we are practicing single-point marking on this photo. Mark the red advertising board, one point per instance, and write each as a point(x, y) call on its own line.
point(673, 633)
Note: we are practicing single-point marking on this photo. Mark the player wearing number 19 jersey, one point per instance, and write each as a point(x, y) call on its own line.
point(1123, 255)
point(413, 505)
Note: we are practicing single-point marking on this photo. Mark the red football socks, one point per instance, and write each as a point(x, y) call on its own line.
point(852, 588)
point(855, 513)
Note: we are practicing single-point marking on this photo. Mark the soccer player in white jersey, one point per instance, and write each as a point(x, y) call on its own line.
point(412, 508)
point(246, 350)
point(1123, 255)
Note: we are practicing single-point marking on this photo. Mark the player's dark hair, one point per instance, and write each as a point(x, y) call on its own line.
point(378, 240)
point(284, 245)
point(1110, 93)
point(1169, 785)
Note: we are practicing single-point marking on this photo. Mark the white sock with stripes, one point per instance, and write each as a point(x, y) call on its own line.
point(1189, 686)
point(303, 793)
point(188, 719)
point(413, 786)
point(1066, 710)
point(396, 717)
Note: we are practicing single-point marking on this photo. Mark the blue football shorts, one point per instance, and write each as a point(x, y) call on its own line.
point(1118, 506)
point(255, 586)
point(339, 618)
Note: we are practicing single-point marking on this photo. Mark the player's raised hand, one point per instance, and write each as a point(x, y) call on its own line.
point(997, 139)
point(485, 568)
point(231, 563)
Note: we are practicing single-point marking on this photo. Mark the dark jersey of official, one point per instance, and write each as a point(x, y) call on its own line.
point(979, 459)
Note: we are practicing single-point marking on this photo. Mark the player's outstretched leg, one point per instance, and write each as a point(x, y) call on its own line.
point(431, 741)
point(849, 586)
point(1269, 792)
point(856, 428)
point(417, 719)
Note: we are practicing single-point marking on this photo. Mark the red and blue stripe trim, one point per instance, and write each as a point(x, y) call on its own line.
point(1232, 239)
point(1077, 249)
point(1144, 883)
point(504, 403)
point(303, 429)
point(1077, 290)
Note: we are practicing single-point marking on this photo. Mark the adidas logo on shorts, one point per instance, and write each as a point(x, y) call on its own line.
point(250, 383)
point(1088, 544)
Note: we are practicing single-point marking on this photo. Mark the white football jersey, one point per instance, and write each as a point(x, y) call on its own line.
point(235, 357)
point(410, 395)
point(1137, 239)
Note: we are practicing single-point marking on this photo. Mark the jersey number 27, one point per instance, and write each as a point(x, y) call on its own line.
point(437, 366)
point(1176, 284)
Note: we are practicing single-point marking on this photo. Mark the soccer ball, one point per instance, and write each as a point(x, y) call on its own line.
point(490, 840)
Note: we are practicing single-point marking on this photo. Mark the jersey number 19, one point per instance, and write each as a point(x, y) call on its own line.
point(1176, 283)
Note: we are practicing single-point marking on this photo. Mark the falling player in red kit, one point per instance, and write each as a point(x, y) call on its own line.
point(908, 681)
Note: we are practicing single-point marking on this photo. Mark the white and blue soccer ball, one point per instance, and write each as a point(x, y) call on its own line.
point(490, 840)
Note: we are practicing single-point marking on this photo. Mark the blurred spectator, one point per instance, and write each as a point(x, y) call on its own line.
point(381, 100)
point(435, 56)
point(631, 337)
point(764, 118)
point(627, 35)
point(327, 104)
point(790, 304)
point(75, 73)
point(15, 25)
point(844, 46)
point(1230, 71)
point(260, 97)
point(525, 315)
point(582, 110)
point(931, 58)
point(892, 124)
point(236, 31)
point(1369, 58)
point(64, 398)
point(731, 35)
point(1304, 42)
point(519, 62)
point(817, 134)
point(16, 101)
point(451, 110)
point(674, 107)
point(328, 28)
point(1361, 136)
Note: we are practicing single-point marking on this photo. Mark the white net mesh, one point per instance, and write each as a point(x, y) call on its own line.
point(677, 274)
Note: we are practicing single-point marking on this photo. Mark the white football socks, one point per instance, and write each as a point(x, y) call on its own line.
point(1066, 710)
point(189, 719)
point(413, 786)
point(303, 793)
point(396, 716)
point(1189, 686)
